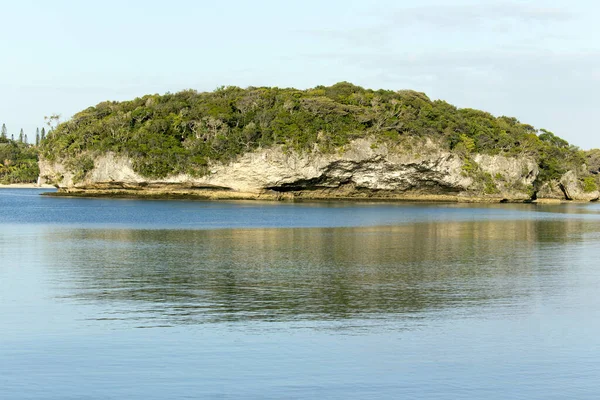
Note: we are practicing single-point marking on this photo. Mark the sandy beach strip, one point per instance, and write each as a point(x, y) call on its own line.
point(26, 186)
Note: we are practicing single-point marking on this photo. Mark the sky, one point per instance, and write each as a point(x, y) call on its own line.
point(536, 60)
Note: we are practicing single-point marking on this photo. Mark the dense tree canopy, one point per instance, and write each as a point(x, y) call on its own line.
point(185, 131)
point(18, 162)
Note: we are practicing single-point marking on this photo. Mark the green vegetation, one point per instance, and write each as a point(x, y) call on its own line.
point(489, 186)
point(593, 160)
point(589, 184)
point(18, 158)
point(18, 162)
point(183, 132)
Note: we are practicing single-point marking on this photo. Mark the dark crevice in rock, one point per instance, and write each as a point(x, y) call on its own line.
point(347, 187)
point(564, 190)
point(318, 183)
point(429, 186)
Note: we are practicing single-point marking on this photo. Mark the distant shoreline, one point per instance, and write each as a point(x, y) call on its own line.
point(26, 186)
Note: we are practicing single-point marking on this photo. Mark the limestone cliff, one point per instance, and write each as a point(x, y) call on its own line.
point(362, 169)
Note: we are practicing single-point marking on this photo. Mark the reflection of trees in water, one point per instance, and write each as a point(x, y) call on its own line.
point(330, 273)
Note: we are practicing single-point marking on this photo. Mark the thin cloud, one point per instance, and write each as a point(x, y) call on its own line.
point(480, 15)
point(556, 69)
point(495, 17)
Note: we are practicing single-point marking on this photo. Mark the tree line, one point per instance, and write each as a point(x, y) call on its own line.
point(19, 157)
point(22, 137)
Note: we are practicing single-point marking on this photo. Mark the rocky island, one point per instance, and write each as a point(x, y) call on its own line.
point(341, 141)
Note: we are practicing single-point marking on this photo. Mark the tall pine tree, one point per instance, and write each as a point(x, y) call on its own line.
point(37, 136)
point(43, 136)
point(4, 131)
point(21, 136)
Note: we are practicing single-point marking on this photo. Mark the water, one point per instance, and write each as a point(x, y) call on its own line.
point(116, 299)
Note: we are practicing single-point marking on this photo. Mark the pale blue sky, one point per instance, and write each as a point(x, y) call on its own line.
point(537, 60)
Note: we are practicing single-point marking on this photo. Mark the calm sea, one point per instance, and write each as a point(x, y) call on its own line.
point(127, 299)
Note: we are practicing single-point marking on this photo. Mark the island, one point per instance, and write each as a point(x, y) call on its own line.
point(328, 142)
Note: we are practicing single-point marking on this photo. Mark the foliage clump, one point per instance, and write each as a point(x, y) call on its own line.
point(184, 132)
point(589, 184)
point(18, 162)
point(593, 160)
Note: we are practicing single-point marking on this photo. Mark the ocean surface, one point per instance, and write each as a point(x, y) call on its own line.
point(128, 299)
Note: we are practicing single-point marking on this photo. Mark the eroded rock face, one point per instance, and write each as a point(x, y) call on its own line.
point(569, 187)
point(572, 188)
point(513, 177)
point(551, 190)
point(361, 168)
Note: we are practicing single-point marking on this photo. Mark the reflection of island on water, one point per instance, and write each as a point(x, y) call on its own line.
point(195, 276)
